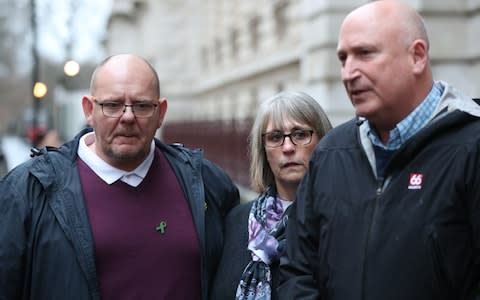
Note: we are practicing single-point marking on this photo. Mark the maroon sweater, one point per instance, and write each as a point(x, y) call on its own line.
point(145, 240)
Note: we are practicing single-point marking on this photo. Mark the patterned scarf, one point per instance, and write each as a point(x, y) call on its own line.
point(266, 223)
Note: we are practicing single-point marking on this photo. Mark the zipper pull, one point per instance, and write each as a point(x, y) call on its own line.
point(379, 186)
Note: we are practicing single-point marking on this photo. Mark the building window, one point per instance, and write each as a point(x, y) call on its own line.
point(280, 87)
point(254, 31)
point(204, 58)
point(280, 10)
point(218, 51)
point(254, 102)
point(234, 42)
point(233, 109)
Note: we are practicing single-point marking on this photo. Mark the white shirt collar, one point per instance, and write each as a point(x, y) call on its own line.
point(108, 173)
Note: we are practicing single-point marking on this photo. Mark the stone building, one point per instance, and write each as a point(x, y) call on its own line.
point(218, 59)
point(14, 51)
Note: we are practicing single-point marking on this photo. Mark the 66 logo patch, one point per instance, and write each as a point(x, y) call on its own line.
point(415, 181)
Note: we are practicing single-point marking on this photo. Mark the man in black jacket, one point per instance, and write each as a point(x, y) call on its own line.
point(390, 206)
point(114, 214)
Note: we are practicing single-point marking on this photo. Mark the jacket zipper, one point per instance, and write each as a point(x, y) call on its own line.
point(378, 193)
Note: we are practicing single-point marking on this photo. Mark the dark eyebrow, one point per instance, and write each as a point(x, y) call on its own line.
point(341, 55)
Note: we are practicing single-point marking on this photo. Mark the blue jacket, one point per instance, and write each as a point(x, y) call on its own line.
point(46, 245)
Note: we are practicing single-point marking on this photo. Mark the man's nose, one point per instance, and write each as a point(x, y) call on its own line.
point(349, 70)
point(128, 112)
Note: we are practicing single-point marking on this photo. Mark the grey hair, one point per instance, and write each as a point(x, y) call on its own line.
point(295, 106)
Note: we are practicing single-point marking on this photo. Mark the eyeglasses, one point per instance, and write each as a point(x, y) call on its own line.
point(116, 110)
point(276, 139)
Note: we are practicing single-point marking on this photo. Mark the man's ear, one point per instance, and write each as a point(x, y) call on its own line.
point(419, 51)
point(162, 110)
point(87, 105)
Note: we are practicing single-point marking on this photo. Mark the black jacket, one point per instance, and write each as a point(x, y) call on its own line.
point(235, 255)
point(415, 235)
point(46, 246)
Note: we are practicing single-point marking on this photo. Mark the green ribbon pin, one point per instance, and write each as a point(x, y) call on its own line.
point(161, 227)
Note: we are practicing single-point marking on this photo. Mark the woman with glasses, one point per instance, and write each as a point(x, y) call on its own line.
point(286, 130)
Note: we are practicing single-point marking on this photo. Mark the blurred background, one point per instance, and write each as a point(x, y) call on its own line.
point(217, 61)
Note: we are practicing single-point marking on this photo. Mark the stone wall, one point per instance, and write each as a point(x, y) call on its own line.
point(218, 60)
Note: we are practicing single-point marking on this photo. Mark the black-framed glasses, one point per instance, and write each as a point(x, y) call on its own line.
point(116, 109)
point(276, 139)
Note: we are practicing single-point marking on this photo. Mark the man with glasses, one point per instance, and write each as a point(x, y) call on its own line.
point(115, 213)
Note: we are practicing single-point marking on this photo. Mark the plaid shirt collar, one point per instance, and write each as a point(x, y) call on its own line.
point(415, 121)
